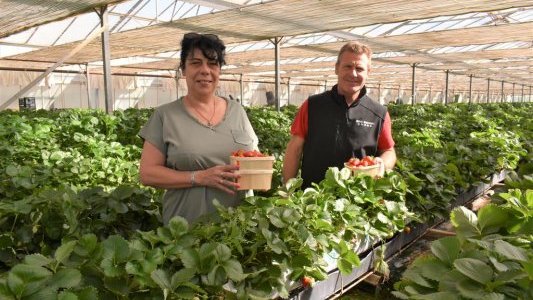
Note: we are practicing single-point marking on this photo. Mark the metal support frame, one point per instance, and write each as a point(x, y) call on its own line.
point(288, 90)
point(399, 91)
point(503, 96)
point(177, 82)
point(470, 90)
point(413, 92)
point(522, 98)
point(488, 90)
point(241, 83)
point(446, 89)
point(379, 92)
point(127, 16)
point(88, 82)
point(106, 57)
point(512, 99)
point(277, 42)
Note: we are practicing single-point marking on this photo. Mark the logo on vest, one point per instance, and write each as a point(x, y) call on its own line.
point(363, 123)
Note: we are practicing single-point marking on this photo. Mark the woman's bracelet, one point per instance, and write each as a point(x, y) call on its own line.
point(193, 181)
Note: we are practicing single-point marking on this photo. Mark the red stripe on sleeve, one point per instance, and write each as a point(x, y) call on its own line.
point(385, 140)
point(300, 124)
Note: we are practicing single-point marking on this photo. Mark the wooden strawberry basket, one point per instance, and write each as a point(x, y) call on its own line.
point(373, 171)
point(256, 172)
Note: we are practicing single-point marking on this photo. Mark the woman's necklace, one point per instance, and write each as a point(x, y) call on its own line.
point(208, 120)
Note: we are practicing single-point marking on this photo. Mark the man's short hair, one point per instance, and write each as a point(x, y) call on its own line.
point(356, 48)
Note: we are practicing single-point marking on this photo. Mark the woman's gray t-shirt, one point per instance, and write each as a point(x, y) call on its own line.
point(189, 145)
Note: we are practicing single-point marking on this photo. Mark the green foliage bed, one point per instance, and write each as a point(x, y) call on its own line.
point(76, 223)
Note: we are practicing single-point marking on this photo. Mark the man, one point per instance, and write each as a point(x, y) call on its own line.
point(336, 125)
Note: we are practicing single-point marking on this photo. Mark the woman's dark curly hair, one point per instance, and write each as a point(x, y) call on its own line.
point(211, 46)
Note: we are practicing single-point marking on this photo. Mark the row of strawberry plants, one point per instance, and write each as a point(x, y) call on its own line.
point(254, 250)
point(63, 148)
point(43, 159)
point(416, 190)
point(443, 150)
point(491, 256)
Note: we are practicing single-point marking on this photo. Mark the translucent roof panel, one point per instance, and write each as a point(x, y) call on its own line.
point(146, 33)
point(16, 16)
point(8, 50)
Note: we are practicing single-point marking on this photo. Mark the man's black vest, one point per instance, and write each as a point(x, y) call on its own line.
point(337, 132)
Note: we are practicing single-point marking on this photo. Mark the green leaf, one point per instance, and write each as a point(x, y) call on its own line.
point(37, 260)
point(446, 249)
point(88, 293)
point(123, 192)
point(432, 268)
point(491, 218)
point(414, 290)
point(187, 291)
point(275, 219)
point(494, 296)
point(510, 276)
point(64, 251)
point(414, 275)
point(116, 248)
point(344, 266)
point(471, 289)
point(86, 245)
point(340, 204)
point(352, 258)
point(190, 259)
point(12, 170)
point(117, 285)
point(382, 218)
point(474, 269)
point(181, 276)
point(67, 296)
point(222, 253)
point(399, 295)
point(65, 278)
point(115, 254)
point(178, 226)
point(160, 277)
point(509, 251)
point(207, 250)
point(234, 271)
point(438, 296)
point(41, 293)
point(500, 267)
point(528, 268)
point(465, 222)
point(217, 276)
point(117, 206)
point(5, 293)
point(448, 281)
point(22, 275)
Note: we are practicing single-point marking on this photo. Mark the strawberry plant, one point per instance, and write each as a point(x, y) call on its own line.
point(490, 258)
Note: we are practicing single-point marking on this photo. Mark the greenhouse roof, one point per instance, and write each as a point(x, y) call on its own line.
point(465, 37)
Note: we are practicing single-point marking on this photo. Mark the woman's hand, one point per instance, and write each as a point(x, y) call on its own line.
point(222, 177)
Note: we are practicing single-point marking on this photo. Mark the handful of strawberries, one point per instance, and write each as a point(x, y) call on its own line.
point(364, 162)
point(247, 153)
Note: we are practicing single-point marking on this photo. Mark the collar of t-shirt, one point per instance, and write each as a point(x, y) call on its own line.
point(339, 99)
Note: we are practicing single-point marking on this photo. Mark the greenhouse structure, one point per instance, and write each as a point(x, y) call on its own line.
point(79, 79)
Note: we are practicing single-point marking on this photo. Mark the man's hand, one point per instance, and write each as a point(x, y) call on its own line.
point(389, 158)
point(381, 165)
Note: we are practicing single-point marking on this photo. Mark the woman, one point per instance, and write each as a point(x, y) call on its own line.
point(187, 142)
